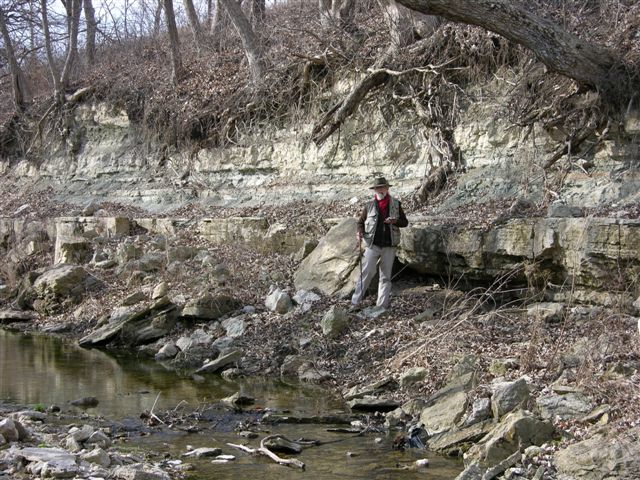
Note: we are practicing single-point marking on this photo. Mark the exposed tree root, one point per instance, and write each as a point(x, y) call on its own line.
point(574, 141)
point(432, 184)
point(340, 111)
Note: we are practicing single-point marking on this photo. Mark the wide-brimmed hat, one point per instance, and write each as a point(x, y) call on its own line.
point(380, 182)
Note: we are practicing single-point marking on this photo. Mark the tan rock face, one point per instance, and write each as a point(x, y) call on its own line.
point(598, 257)
point(606, 455)
point(254, 232)
point(64, 282)
point(72, 250)
point(585, 252)
point(330, 265)
point(517, 430)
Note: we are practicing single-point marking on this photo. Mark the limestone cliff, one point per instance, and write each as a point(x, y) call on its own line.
point(572, 224)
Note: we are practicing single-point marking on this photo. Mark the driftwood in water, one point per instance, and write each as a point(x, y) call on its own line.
point(262, 450)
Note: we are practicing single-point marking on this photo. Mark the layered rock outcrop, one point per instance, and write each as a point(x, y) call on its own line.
point(592, 257)
point(107, 159)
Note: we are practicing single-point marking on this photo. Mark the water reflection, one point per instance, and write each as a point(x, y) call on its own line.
point(340, 456)
point(44, 370)
point(39, 369)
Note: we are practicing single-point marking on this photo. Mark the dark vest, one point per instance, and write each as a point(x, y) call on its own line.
point(376, 232)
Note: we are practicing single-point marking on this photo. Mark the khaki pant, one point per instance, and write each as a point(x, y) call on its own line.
point(373, 255)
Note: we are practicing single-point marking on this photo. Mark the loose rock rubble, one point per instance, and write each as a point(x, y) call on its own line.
point(508, 384)
point(36, 445)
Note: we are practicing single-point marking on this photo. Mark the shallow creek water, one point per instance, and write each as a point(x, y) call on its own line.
point(43, 370)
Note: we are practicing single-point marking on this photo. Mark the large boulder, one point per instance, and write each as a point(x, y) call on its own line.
point(18, 242)
point(443, 414)
point(11, 316)
point(135, 327)
point(413, 375)
point(334, 322)
point(224, 360)
point(75, 250)
point(209, 306)
point(63, 282)
point(608, 455)
point(455, 441)
point(198, 338)
point(547, 312)
point(139, 471)
point(516, 430)
point(97, 456)
point(9, 430)
point(507, 396)
point(50, 462)
point(127, 251)
point(446, 407)
point(568, 406)
point(330, 265)
point(278, 301)
point(480, 410)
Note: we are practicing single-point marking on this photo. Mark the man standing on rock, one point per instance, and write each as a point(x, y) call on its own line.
point(379, 226)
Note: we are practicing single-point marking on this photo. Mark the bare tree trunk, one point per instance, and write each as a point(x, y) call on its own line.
point(176, 57)
point(125, 18)
point(561, 51)
point(194, 22)
point(400, 25)
point(207, 22)
point(58, 92)
point(33, 56)
point(336, 12)
point(217, 25)
point(257, 12)
point(72, 46)
point(342, 12)
point(90, 19)
point(250, 41)
point(157, 18)
point(21, 94)
point(324, 6)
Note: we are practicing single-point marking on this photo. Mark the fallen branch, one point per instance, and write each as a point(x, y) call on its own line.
point(78, 95)
point(262, 450)
point(153, 415)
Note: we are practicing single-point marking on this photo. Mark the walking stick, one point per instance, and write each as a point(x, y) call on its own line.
point(360, 258)
point(359, 247)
